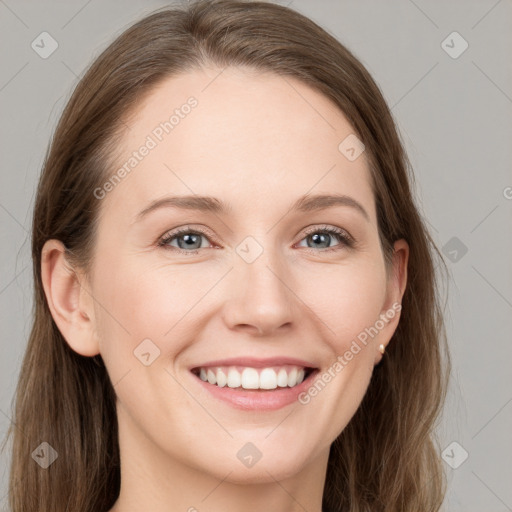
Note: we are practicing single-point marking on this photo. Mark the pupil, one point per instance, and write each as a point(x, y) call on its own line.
point(189, 240)
point(317, 236)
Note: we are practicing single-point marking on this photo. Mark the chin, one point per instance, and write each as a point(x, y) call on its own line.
point(267, 469)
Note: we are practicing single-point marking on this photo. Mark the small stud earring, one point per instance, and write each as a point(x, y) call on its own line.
point(382, 348)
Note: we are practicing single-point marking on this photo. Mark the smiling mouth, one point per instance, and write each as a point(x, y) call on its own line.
point(254, 379)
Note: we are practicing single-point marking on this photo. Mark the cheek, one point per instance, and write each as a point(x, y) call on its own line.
point(347, 299)
point(156, 302)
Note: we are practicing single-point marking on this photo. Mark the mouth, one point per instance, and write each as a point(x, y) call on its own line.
point(256, 379)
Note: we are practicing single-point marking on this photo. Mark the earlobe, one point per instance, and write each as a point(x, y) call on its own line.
point(70, 310)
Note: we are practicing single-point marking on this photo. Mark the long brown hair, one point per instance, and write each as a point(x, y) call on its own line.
point(387, 458)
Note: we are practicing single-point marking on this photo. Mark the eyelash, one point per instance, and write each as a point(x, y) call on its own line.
point(345, 239)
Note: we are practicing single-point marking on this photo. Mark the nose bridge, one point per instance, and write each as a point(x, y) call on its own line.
point(262, 297)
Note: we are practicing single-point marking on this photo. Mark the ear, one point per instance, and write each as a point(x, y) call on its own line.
point(396, 285)
point(70, 304)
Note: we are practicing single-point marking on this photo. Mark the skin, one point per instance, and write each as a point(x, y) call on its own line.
point(257, 142)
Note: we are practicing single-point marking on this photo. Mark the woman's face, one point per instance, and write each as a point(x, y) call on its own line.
point(260, 278)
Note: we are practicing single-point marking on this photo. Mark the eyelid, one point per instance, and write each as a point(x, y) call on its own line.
point(327, 227)
point(172, 233)
point(347, 241)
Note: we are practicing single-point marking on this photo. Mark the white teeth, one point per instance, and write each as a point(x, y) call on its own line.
point(222, 379)
point(268, 379)
point(250, 379)
point(234, 378)
point(282, 378)
point(292, 377)
point(211, 377)
point(253, 378)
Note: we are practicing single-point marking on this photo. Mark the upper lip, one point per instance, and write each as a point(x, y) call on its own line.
point(254, 362)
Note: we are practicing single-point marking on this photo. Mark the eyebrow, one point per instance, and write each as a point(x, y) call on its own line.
point(307, 203)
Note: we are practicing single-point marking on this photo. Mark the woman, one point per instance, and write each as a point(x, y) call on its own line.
point(193, 348)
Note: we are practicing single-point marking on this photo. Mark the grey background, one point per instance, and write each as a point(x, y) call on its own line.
point(455, 119)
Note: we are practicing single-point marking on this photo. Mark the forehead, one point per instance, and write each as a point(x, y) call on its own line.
point(247, 137)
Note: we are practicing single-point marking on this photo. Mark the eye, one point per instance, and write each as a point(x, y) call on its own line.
point(320, 236)
point(188, 240)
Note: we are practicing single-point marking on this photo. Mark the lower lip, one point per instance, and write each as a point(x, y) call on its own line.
point(261, 400)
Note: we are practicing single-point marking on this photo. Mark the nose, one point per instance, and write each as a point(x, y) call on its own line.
point(261, 300)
